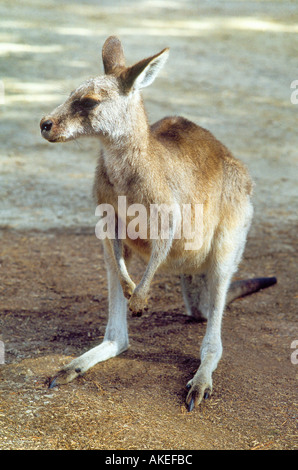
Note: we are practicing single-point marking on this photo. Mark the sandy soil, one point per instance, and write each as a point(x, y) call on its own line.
point(230, 70)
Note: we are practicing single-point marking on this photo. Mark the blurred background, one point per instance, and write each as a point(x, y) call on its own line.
point(230, 70)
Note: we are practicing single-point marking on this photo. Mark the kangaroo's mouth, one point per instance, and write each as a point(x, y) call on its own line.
point(58, 139)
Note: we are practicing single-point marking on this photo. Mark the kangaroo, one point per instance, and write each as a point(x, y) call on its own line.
point(172, 162)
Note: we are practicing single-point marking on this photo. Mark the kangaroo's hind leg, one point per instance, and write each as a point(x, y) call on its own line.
point(226, 254)
point(116, 335)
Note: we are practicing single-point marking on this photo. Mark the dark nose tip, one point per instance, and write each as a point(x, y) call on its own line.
point(46, 125)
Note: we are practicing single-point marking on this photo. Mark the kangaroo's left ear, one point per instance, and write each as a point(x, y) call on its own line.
point(144, 72)
point(113, 55)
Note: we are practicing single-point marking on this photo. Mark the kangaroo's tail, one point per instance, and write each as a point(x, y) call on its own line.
point(248, 286)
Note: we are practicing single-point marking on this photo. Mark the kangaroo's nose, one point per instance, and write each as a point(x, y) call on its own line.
point(46, 126)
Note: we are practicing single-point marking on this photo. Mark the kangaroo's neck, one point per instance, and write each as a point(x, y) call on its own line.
point(131, 131)
point(126, 150)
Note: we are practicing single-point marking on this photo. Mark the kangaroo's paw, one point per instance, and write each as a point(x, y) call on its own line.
point(200, 388)
point(137, 305)
point(65, 375)
point(81, 364)
point(128, 288)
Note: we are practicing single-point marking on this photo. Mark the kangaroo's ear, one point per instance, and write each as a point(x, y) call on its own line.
point(144, 72)
point(112, 55)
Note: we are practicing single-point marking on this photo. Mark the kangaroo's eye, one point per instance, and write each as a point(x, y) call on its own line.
point(89, 103)
point(84, 105)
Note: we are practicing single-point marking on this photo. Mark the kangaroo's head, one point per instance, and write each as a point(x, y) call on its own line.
point(105, 105)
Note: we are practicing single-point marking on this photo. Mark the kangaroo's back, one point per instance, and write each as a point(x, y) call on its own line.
point(207, 163)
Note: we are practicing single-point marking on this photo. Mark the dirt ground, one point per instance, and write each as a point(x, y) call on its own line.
point(230, 70)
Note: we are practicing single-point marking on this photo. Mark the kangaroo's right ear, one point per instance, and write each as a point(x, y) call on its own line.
point(144, 72)
point(112, 55)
